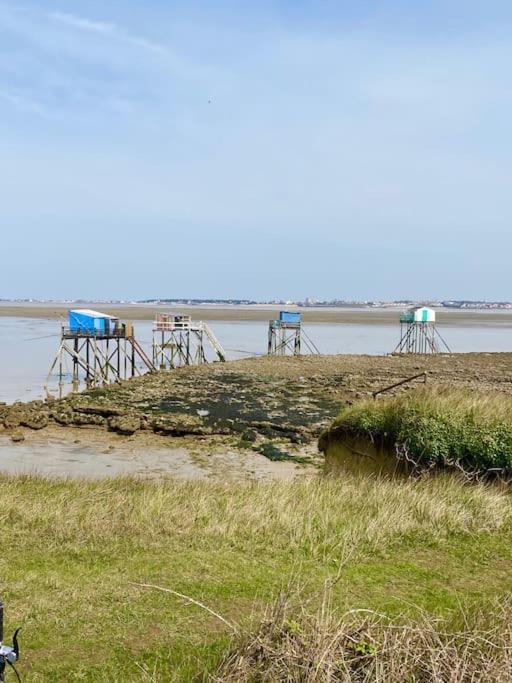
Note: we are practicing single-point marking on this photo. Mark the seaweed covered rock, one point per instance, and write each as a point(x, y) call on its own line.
point(35, 420)
point(180, 424)
point(124, 424)
point(80, 419)
point(101, 410)
point(62, 417)
point(12, 420)
point(15, 416)
point(17, 436)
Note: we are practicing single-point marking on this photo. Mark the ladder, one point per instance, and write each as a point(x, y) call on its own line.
point(214, 342)
point(143, 356)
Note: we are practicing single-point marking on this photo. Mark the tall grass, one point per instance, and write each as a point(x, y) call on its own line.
point(317, 516)
point(431, 427)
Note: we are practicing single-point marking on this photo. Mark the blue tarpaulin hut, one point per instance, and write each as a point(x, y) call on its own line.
point(91, 322)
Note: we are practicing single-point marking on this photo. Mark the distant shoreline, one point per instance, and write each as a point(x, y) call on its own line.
point(258, 312)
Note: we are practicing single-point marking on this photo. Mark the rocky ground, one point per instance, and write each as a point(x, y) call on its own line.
point(277, 406)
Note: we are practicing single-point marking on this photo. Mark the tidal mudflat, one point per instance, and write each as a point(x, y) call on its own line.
point(87, 454)
point(229, 417)
point(262, 312)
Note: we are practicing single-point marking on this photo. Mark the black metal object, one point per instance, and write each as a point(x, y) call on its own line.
point(423, 375)
point(9, 654)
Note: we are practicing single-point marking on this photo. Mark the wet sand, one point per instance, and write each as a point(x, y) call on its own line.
point(94, 454)
point(349, 316)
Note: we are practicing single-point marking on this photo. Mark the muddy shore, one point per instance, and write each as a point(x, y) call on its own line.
point(93, 453)
point(348, 316)
point(272, 407)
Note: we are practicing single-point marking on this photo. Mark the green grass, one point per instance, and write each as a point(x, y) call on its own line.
point(73, 550)
point(432, 427)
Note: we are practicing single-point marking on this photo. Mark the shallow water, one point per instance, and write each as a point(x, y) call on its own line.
point(28, 345)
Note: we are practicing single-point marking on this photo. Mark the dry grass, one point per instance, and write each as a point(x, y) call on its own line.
point(367, 647)
point(322, 514)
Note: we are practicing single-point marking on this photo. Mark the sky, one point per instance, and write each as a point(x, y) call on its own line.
point(271, 149)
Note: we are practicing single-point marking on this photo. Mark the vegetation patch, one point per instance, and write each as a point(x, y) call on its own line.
point(73, 577)
point(273, 452)
point(293, 644)
point(435, 427)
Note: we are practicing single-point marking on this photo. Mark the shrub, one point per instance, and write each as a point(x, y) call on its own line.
point(362, 646)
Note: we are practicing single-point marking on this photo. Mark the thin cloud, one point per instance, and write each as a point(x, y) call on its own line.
point(85, 24)
point(106, 28)
point(24, 103)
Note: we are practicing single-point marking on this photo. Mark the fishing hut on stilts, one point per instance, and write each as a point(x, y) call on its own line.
point(286, 336)
point(100, 349)
point(179, 340)
point(419, 333)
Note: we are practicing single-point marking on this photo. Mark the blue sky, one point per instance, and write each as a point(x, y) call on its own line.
point(271, 149)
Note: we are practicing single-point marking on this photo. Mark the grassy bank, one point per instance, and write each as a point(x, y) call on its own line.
point(431, 427)
point(73, 552)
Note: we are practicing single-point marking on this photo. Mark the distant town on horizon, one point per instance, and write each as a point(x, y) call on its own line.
point(306, 303)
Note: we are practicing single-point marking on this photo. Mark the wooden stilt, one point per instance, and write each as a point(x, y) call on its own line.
point(98, 358)
point(420, 335)
point(287, 338)
point(178, 340)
